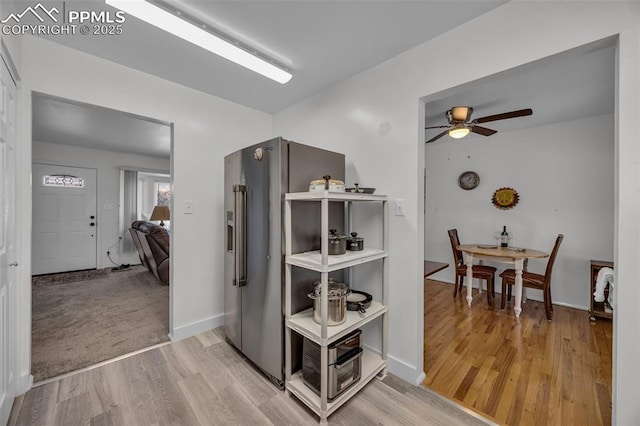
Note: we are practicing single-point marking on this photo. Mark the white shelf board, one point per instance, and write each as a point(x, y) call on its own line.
point(334, 196)
point(313, 259)
point(303, 323)
point(372, 364)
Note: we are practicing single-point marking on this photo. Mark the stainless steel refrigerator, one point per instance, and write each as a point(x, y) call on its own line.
point(256, 179)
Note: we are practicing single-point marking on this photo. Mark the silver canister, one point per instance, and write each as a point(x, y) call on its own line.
point(337, 302)
point(337, 243)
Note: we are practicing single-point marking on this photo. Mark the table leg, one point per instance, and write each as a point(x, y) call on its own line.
point(518, 287)
point(469, 277)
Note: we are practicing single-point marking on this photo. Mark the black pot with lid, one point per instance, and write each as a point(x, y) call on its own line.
point(355, 243)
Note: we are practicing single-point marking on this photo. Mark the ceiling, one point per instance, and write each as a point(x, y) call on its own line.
point(322, 42)
point(70, 123)
point(569, 86)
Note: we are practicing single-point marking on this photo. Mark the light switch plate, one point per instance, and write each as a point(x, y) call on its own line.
point(401, 207)
point(188, 206)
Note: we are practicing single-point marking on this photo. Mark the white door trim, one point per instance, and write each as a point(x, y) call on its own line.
point(23, 200)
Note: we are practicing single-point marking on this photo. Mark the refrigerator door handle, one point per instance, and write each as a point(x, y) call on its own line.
point(240, 236)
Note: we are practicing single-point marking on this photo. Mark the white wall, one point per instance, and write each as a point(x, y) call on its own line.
point(564, 174)
point(205, 129)
point(626, 334)
point(107, 164)
point(12, 44)
point(376, 118)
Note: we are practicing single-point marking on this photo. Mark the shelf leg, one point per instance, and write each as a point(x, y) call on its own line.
point(324, 375)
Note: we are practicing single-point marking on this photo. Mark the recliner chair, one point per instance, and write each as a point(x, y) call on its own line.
point(152, 243)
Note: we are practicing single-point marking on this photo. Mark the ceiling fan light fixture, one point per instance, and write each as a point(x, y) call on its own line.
point(160, 18)
point(461, 113)
point(459, 132)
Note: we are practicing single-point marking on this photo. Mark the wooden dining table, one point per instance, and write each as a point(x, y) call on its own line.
point(512, 255)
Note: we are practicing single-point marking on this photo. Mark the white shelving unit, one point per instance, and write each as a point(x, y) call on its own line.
point(373, 364)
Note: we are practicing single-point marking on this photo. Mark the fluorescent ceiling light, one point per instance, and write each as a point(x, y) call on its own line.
point(177, 26)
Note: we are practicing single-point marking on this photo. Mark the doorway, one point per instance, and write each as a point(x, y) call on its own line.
point(93, 303)
point(569, 147)
point(141, 191)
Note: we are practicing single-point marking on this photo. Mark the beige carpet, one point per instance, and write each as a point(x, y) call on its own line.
point(79, 324)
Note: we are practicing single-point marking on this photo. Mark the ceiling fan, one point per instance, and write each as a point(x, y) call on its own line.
point(460, 123)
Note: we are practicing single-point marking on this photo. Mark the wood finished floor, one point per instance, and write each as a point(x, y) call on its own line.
point(519, 372)
point(204, 381)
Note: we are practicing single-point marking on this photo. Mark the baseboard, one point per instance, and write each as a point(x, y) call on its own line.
point(566, 305)
point(188, 330)
point(5, 409)
point(539, 299)
point(24, 383)
point(405, 371)
point(400, 368)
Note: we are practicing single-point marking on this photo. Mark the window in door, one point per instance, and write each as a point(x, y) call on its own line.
point(66, 181)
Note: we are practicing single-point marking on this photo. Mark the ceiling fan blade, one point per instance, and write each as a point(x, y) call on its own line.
point(483, 130)
point(435, 138)
point(504, 115)
point(437, 127)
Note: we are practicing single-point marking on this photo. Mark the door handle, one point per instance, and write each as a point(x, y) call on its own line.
point(13, 264)
point(240, 236)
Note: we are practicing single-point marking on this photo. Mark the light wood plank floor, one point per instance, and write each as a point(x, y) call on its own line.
point(519, 372)
point(204, 381)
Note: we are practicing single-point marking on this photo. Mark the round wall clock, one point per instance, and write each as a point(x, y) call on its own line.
point(505, 198)
point(468, 180)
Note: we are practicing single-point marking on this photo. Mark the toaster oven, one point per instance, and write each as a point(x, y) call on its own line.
point(344, 364)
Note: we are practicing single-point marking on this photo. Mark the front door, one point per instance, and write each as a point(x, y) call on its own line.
point(64, 219)
point(8, 256)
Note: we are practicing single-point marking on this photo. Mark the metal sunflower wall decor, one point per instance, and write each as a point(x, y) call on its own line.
point(505, 198)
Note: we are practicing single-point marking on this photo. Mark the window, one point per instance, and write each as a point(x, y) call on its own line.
point(66, 181)
point(163, 194)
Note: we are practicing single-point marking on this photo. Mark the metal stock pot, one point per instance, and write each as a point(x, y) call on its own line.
point(337, 298)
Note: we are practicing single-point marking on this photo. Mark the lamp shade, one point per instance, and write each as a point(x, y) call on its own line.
point(461, 114)
point(160, 213)
point(459, 132)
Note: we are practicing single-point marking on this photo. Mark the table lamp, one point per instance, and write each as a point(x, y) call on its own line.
point(160, 213)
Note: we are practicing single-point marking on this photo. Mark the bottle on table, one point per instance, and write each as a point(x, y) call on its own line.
point(504, 237)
